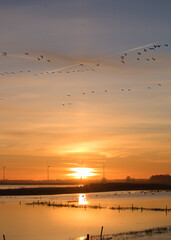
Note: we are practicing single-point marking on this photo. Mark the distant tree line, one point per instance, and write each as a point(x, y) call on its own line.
point(162, 179)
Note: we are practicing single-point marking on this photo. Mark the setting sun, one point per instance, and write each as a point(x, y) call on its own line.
point(82, 172)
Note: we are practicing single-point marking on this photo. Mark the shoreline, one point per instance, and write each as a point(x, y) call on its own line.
point(141, 234)
point(100, 187)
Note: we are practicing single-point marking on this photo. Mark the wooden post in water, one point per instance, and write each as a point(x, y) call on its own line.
point(3, 236)
point(87, 236)
point(101, 233)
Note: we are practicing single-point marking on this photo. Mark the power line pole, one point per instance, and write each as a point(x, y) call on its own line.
point(4, 168)
point(103, 178)
point(103, 170)
point(48, 175)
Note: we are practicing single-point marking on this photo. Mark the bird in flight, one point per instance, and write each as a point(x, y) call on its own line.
point(4, 54)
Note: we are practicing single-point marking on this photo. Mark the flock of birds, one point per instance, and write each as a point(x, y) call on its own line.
point(85, 68)
point(104, 91)
point(43, 59)
point(145, 50)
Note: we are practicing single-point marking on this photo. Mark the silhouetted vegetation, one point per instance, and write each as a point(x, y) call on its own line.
point(98, 187)
point(161, 179)
point(134, 234)
point(119, 208)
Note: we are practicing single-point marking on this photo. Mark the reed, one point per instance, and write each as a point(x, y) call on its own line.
point(119, 208)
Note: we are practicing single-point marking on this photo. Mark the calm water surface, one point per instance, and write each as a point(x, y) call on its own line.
point(19, 221)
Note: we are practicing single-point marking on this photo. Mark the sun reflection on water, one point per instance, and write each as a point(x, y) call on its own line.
point(82, 199)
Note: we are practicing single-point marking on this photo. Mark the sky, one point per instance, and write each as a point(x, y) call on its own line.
point(66, 98)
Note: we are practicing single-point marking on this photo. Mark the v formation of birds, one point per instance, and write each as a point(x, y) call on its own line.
point(139, 56)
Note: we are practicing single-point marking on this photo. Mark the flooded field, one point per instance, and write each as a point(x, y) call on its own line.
point(71, 216)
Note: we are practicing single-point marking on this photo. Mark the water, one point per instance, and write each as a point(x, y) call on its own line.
point(19, 221)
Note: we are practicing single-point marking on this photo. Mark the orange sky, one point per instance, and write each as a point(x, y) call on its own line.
point(128, 131)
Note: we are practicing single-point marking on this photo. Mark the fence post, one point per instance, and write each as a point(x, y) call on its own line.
point(101, 233)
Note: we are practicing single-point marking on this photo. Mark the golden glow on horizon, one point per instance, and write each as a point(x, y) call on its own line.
point(82, 172)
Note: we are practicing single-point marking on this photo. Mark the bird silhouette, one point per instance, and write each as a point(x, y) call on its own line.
point(123, 62)
point(4, 54)
point(166, 45)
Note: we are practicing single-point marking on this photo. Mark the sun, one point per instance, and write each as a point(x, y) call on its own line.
point(82, 172)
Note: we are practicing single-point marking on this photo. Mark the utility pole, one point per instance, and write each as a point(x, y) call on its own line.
point(48, 176)
point(103, 178)
point(103, 171)
point(4, 168)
